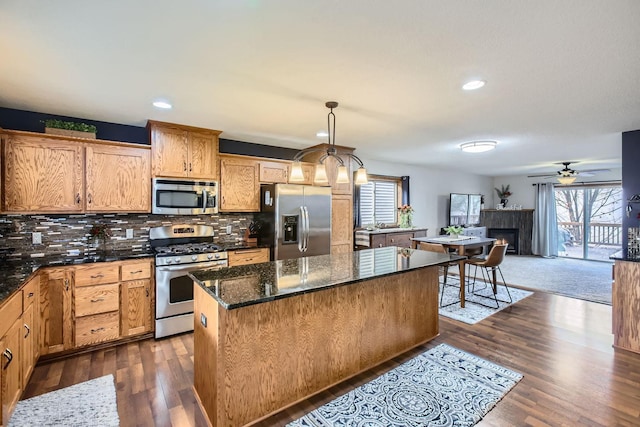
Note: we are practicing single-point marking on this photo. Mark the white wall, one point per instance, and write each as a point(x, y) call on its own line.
point(430, 188)
point(523, 192)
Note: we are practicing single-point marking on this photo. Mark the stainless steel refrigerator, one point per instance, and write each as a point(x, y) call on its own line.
point(296, 220)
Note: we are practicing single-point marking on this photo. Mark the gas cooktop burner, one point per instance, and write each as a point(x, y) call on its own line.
point(188, 248)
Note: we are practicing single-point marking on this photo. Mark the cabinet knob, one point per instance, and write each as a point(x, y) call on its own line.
point(93, 331)
point(78, 199)
point(28, 330)
point(89, 198)
point(9, 355)
point(147, 291)
point(97, 276)
point(66, 283)
point(184, 166)
point(189, 167)
point(97, 300)
point(135, 272)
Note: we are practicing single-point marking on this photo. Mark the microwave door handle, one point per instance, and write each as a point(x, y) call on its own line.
point(204, 201)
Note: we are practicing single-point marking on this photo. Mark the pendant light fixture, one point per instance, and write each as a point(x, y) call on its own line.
point(331, 151)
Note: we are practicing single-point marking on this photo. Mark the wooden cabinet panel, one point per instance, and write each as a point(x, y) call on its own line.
point(118, 179)
point(248, 256)
point(170, 151)
point(135, 312)
point(97, 274)
point(97, 328)
point(97, 299)
point(183, 151)
point(626, 306)
point(273, 172)
point(239, 185)
point(43, 175)
point(29, 343)
point(203, 151)
point(341, 222)
point(378, 241)
point(399, 239)
point(56, 321)
point(11, 376)
point(341, 249)
point(135, 270)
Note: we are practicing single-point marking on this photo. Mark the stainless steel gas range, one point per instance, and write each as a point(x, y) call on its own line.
point(179, 250)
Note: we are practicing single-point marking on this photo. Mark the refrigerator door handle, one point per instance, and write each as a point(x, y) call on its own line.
point(306, 227)
point(301, 231)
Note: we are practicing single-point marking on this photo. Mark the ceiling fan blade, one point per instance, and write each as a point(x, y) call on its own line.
point(540, 175)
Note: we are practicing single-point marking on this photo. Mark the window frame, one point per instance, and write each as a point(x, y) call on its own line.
point(398, 202)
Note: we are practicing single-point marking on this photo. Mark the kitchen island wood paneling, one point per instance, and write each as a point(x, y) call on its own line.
point(296, 327)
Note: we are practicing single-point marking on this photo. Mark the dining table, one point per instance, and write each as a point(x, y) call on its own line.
point(460, 244)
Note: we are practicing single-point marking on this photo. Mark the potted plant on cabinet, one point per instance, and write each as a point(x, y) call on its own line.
point(73, 129)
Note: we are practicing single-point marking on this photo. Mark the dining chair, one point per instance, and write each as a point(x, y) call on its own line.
point(437, 247)
point(490, 265)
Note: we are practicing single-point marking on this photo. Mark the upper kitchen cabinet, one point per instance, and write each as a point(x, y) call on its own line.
point(42, 173)
point(239, 184)
point(118, 179)
point(180, 151)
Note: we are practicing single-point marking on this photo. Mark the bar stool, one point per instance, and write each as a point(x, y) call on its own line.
point(437, 247)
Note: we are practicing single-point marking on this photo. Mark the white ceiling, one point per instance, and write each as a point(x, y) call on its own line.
point(563, 77)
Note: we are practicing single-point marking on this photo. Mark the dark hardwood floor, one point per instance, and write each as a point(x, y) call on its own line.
point(572, 375)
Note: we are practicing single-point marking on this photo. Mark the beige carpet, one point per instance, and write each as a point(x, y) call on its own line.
point(575, 278)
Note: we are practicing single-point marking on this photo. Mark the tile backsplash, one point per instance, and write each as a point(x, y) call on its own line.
point(69, 234)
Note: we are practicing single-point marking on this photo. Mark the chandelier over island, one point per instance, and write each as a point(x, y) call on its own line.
point(330, 151)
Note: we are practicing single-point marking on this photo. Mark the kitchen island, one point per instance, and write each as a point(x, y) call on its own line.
point(268, 335)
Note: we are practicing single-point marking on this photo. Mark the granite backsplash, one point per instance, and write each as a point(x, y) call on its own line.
point(68, 235)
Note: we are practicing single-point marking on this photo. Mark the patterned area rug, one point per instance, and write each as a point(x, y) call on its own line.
point(442, 387)
point(91, 403)
point(473, 312)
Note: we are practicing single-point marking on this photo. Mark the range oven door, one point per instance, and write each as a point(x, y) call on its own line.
point(174, 289)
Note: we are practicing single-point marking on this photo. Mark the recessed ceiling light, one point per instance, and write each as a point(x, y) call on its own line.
point(478, 146)
point(474, 84)
point(322, 134)
point(162, 104)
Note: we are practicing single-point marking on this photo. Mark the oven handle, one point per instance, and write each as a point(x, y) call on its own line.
point(191, 267)
point(204, 201)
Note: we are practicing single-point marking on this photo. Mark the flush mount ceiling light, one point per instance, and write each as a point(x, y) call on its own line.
point(331, 151)
point(162, 104)
point(478, 146)
point(473, 85)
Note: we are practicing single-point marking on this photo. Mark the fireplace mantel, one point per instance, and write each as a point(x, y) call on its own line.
point(522, 219)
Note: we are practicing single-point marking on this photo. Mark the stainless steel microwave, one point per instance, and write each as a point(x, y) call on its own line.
point(183, 197)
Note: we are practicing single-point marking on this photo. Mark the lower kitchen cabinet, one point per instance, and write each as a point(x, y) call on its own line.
point(248, 256)
point(389, 237)
point(30, 345)
point(10, 355)
point(135, 313)
point(56, 320)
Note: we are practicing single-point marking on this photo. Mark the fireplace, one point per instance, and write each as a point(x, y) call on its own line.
point(510, 235)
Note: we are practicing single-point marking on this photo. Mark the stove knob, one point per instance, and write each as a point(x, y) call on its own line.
point(209, 256)
point(176, 260)
point(217, 256)
point(194, 257)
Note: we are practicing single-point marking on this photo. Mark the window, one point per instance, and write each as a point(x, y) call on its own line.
point(379, 199)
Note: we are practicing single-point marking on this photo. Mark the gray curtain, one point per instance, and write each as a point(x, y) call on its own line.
point(545, 223)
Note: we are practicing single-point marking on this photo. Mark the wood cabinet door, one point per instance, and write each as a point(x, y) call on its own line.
point(135, 312)
point(239, 185)
point(29, 342)
point(118, 179)
point(273, 172)
point(341, 223)
point(203, 151)
point(56, 321)
point(10, 363)
point(248, 256)
point(43, 175)
point(170, 150)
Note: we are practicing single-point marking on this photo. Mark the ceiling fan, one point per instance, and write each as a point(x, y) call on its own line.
point(567, 175)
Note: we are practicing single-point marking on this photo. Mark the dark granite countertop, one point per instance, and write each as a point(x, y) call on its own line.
point(15, 271)
point(244, 285)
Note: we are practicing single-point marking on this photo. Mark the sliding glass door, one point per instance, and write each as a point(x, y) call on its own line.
point(589, 221)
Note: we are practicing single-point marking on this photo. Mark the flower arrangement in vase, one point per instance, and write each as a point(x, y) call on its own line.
point(504, 193)
point(405, 216)
point(98, 235)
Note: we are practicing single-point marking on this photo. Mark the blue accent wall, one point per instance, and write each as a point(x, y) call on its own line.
point(630, 181)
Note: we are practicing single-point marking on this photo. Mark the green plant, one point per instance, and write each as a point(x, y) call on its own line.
point(503, 192)
point(60, 124)
point(454, 229)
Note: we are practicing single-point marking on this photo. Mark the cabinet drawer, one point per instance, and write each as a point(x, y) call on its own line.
point(29, 292)
point(399, 239)
point(97, 328)
point(10, 311)
point(378, 240)
point(248, 256)
point(97, 299)
point(98, 274)
point(135, 271)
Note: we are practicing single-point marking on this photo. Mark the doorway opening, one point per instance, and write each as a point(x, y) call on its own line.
point(589, 221)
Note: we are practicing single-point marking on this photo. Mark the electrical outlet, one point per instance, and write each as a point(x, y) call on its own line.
point(228, 229)
point(129, 233)
point(36, 238)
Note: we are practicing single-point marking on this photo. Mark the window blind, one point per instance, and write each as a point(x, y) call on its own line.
point(378, 202)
